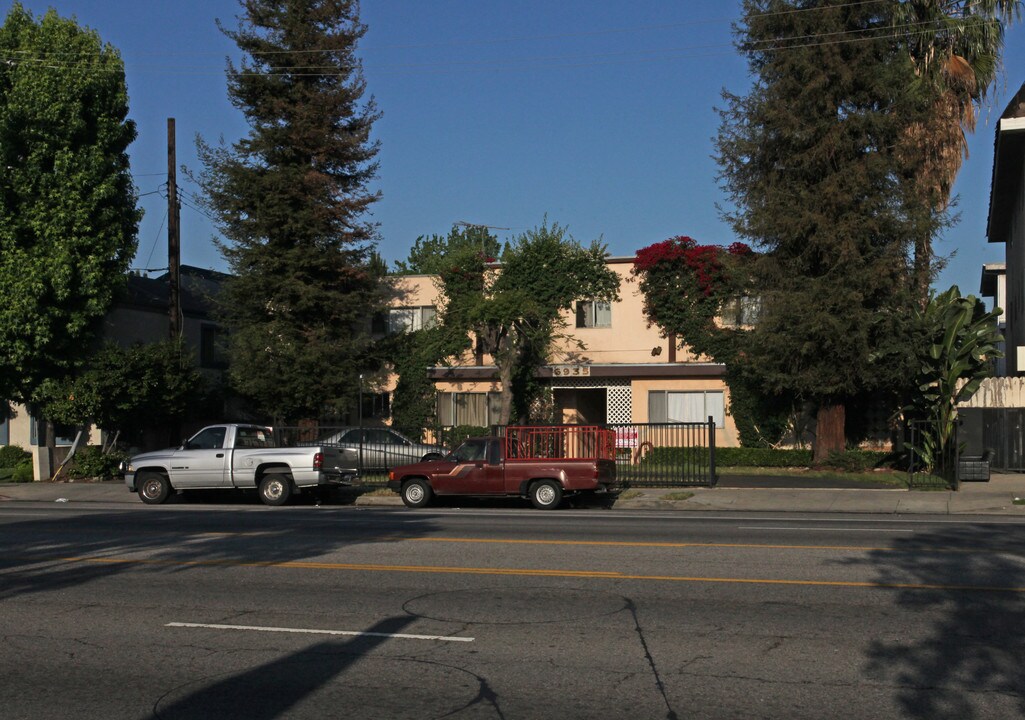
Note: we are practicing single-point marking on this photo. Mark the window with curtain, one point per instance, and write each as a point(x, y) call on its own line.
point(667, 406)
point(479, 409)
point(591, 314)
point(411, 319)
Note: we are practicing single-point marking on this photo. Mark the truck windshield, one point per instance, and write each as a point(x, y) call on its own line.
point(470, 451)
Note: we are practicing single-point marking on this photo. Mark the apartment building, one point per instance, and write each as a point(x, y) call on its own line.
point(625, 373)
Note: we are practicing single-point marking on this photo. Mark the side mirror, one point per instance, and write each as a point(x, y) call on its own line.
point(184, 445)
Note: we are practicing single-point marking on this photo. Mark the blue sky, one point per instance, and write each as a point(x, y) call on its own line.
point(599, 114)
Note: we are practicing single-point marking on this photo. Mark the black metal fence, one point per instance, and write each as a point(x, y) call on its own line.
point(943, 472)
point(647, 454)
point(998, 434)
point(666, 454)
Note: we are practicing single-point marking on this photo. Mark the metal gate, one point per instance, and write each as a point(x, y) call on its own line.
point(997, 433)
point(666, 454)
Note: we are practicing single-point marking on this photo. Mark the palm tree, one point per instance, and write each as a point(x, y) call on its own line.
point(956, 47)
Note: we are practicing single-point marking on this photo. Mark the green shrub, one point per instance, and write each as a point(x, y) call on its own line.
point(91, 461)
point(855, 460)
point(729, 457)
point(13, 455)
point(454, 436)
point(849, 461)
point(22, 473)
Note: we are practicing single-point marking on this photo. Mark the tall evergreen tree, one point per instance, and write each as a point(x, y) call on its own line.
point(67, 203)
point(292, 199)
point(810, 159)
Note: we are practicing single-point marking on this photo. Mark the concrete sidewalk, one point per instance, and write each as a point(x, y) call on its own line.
point(995, 497)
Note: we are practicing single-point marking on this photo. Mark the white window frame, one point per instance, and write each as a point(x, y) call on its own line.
point(411, 319)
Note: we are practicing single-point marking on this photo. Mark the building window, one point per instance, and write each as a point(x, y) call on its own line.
point(691, 406)
point(592, 314)
point(376, 405)
point(740, 312)
point(477, 409)
point(411, 319)
point(5, 432)
point(213, 347)
point(64, 435)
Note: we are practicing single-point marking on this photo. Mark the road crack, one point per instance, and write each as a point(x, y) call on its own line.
point(632, 609)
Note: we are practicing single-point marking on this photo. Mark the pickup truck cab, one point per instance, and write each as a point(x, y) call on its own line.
point(235, 456)
point(544, 464)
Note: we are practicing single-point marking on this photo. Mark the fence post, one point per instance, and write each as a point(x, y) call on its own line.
point(711, 451)
point(957, 454)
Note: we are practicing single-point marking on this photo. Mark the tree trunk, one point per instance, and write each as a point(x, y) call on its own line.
point(922, 271)
point(51, 447)
point(505, 377)
point(829, 431)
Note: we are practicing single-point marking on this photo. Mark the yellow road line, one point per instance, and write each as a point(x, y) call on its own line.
point(527, 572)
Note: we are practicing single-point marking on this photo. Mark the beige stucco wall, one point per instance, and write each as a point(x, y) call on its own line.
point(629, 340)
point(413, 290)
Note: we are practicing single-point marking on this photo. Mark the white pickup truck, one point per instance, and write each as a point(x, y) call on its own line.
point(235, 456)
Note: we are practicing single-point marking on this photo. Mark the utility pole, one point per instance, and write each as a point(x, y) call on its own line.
point(173, 236)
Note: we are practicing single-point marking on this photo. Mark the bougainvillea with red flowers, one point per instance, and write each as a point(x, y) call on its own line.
point(686, 286)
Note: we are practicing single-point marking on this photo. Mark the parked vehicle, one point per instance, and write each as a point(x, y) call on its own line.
point(375, 448)
point(544, 464)
point(236, 456)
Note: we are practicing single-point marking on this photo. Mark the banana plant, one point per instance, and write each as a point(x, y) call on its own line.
point(960, 342)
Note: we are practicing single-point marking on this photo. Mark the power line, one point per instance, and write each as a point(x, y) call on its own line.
point(370, 47)
point(154, 246)
point(578, 60)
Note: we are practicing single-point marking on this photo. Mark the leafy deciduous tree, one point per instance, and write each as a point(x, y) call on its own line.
point(429, 254)
point(515, 311)
point(67, 204)
point(127, 389)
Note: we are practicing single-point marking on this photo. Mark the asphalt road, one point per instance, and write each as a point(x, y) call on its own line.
point(218, 611)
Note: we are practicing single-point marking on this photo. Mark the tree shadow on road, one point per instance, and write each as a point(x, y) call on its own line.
point(272, 689)
point(968, 585)
point(48, 554)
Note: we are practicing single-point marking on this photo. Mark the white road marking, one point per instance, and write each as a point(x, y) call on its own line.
point(310, 631)
point(825, 529)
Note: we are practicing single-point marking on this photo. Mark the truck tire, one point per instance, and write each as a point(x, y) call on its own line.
point(275, 488)
point(153, 488)
point(546, 494)
point(416, 493)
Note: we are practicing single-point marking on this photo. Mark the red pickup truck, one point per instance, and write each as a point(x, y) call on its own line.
point(544, 464)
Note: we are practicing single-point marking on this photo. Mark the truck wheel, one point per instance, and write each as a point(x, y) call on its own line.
point(154, 488)
point(546, 494)
point(416, 493)
point(275, 489)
